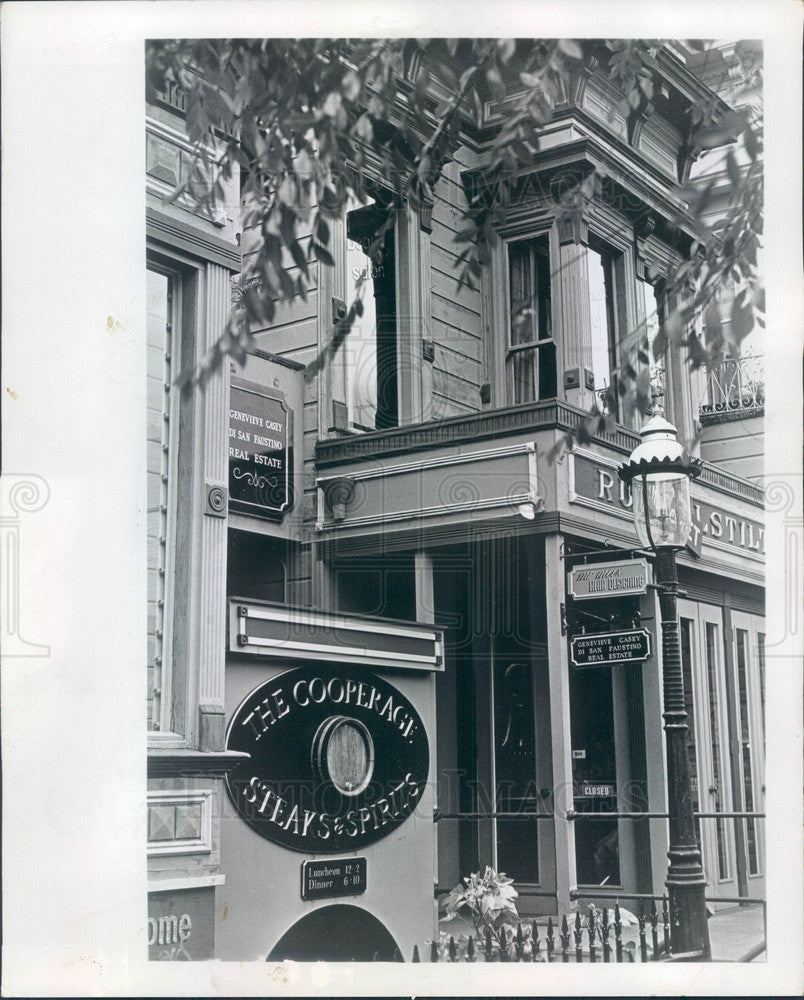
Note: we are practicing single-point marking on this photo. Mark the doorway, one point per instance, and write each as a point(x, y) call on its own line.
point(336, 933)
point(705, 696)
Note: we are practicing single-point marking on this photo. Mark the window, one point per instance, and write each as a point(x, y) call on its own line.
point(602, 309)
point(370, 355)
point(747, 762)
point(653, 310)
point(531, 359)
point(161, 365)
point(256, 566)
point(718, 778)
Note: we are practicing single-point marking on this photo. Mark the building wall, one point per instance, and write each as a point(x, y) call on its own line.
point(737, 447)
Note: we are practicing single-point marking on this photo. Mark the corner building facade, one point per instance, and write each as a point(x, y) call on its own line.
point(415, 562)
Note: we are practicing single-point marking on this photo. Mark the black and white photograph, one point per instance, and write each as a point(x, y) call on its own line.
point(437, 565)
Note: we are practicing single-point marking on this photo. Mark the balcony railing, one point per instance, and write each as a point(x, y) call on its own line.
point(736, 386)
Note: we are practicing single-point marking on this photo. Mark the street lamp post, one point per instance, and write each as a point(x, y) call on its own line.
point(659, 472)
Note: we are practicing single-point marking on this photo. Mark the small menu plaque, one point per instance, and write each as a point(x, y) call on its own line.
point(328, 878)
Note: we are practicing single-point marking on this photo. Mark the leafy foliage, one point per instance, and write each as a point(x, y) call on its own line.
point(311, 123)
point(487, 900)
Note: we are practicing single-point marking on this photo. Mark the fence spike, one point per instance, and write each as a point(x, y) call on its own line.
point(519, 943)
point(489, 946)
point(551, 941)
point(565, 939)
point(654, 930)
point(604, 933)
point(452, 951)
point(665, 925)
point(503, 945)
point(416, 953)
point(470, 949)
point(618, 933)
point(578, 937)
point(643, 944)
point(433, 951)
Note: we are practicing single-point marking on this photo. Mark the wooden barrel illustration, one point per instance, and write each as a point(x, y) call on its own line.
point(343, 753)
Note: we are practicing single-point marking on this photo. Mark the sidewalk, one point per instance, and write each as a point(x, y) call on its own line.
point(733, 932)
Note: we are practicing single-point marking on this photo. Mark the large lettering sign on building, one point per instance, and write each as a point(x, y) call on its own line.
point(337, 759)
point(259, 451)
point(597, 485)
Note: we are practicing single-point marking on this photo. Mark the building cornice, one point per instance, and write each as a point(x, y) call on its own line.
point(163, 228)
point(526, 418)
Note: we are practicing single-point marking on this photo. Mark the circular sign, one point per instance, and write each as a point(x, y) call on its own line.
point(337, 760)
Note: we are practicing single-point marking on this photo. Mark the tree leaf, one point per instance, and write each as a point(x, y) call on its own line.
point(570, 48)
point(742, 320)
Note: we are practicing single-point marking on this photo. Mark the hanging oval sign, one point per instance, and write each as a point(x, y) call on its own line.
point(337, 760)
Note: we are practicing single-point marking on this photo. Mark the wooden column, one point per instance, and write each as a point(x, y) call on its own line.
point(413, 312)
point(572, 323)
point(213, 447)
point(561, 737)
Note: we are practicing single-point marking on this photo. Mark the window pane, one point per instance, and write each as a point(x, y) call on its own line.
point(370, 352)
point(745, 740)
point(532, 371)
point(601, 307)
point(515, 766)
point(523, 365)
point(597, 847)
point(714, 731)
point(653, 317)
point(361, 342)
point(761, 659)
point(159, 371)
point(685, 629)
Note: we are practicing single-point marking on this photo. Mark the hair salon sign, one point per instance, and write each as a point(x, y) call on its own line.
point(597, 485)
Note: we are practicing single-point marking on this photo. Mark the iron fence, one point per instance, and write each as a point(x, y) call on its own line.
point(594, 935)
point(735, 385)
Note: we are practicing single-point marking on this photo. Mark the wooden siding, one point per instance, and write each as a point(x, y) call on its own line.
point(736, 447)
point(456, 313)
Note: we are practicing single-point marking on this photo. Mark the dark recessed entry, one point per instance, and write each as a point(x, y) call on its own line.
point(336, 934)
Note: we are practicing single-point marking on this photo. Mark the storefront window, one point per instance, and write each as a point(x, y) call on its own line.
point(714, 736)
point(597, 846)
point(531, 350)
point(746, 754)
point(515, 766)
point(686, 630)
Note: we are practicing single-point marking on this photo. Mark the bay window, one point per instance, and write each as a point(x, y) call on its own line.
point(370, 353)
point(531, 356)
point(603, 316)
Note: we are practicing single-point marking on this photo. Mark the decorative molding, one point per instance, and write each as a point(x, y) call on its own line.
point(527, 417)
point(217, 500)
point(190, 882)
point(729, 416)
point(163, 228)
point(338, 491)
point(185, 816)
point(426, 216)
